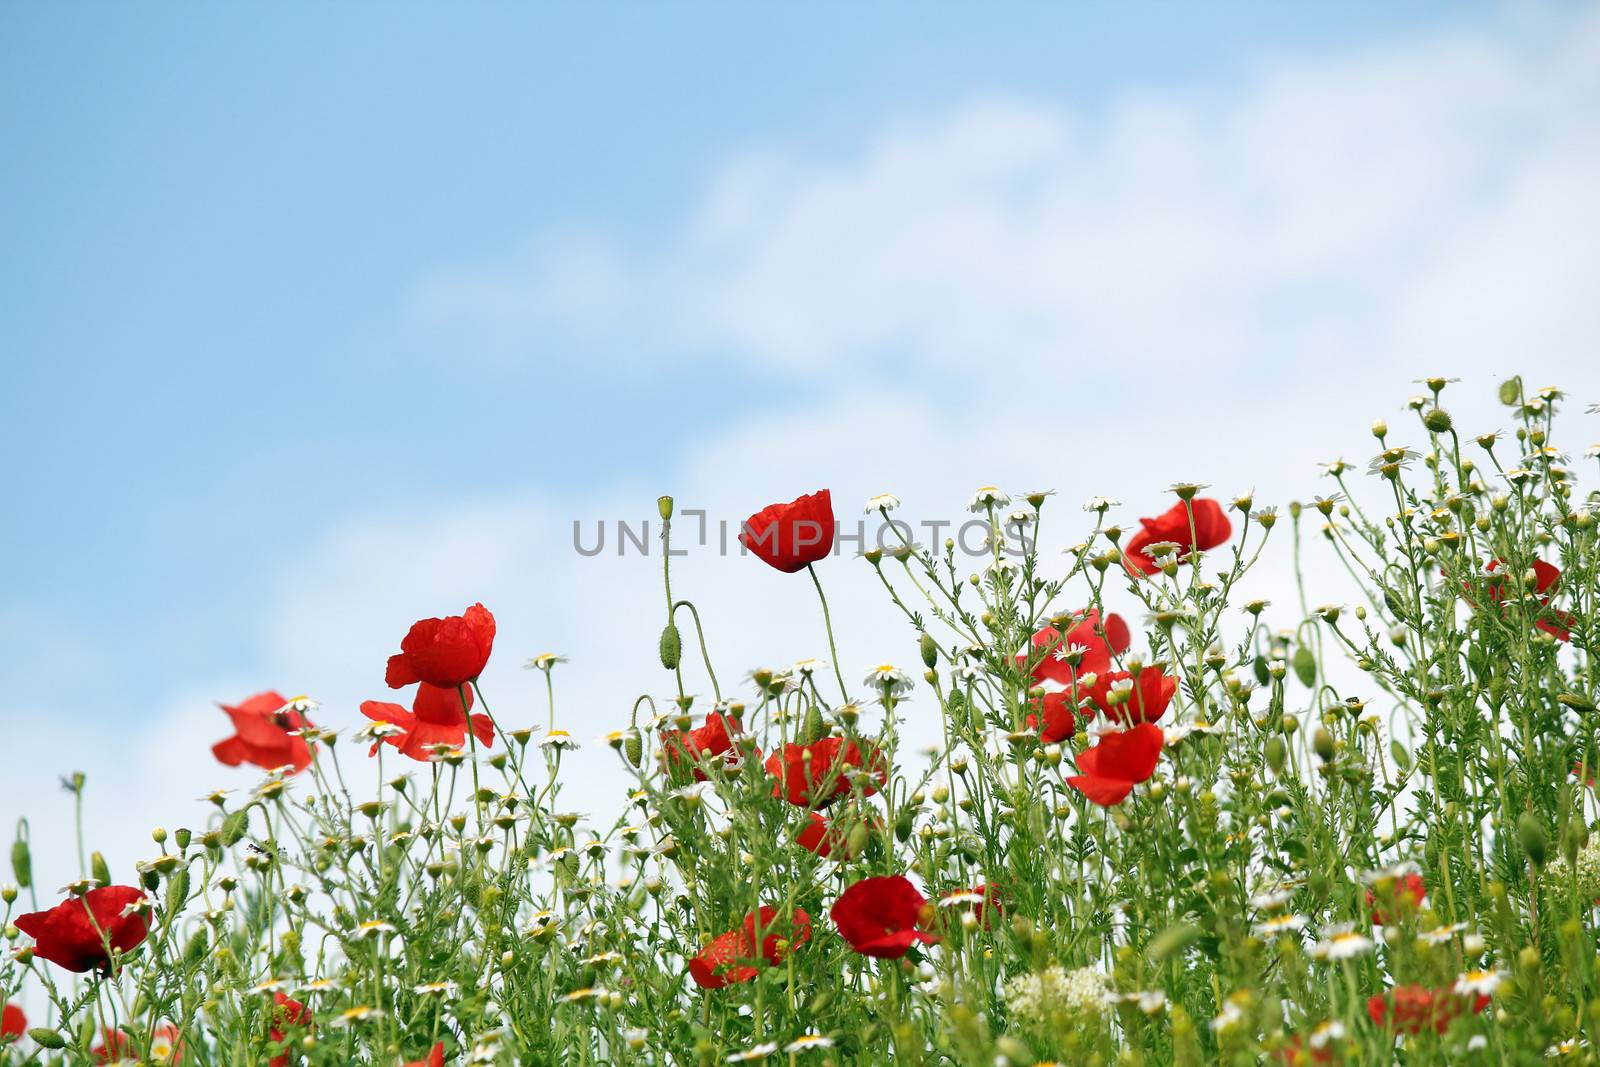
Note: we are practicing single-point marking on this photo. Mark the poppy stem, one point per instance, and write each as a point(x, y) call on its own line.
point(827, 621)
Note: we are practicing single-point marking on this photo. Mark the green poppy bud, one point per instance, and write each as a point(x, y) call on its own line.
point(21, 863)
point(1277, 753)
point(1531, 836)
point(671, 647)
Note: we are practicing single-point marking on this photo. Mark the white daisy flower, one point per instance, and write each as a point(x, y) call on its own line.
point(371, 928)
point(1283, 924)
point(1273, 898)
point(1099, 505)
point(1441, 935)
point(881, 502)
point(807, 1042)
point(1230, 1016)
point(557, 741)
point(1326, 1033)
point(753, 1053)
point(544, 661)
point(1341, 942)
point(377, 731)
point(1479, 983)
point(593, 992)
point(888, 678)
point(359, 1014)
point(436, 989)
point(987, 497)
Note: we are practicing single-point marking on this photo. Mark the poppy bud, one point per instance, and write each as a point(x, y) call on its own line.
point(98, 868)
point(814, 729)
point(21, 863)
point(633, 748)
point(45, 1037)
point(1530, 834)
point(930, 651)
point(902, 826)
point(671, 647)
point(1277, 753)
point(1322, 744)
point(195, 950)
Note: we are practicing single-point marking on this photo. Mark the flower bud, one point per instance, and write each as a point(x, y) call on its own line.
point(671, 647)
point(664, 508)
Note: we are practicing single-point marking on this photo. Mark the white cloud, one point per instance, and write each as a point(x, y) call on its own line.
point(1377, 207)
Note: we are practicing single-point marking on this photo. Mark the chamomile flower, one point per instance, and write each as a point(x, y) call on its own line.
point(557, 741)
point(881, 502)
point(371, 928)
point(754, 1053)
point(1282, 924)
point(1341, 942)
point(888, 678)
point(1441, 935)
point(1325, 1033)
point(437, 989)
point(361, 1013)
point(544, 661)
point(1479, 983)
point(1099, 505)
point(807, 1042)
point(987, 497)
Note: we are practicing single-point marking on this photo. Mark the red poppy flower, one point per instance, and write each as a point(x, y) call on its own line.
point(435, 1057)
point(687, 748)
point(882, 917)
point(723, 962)
point(827, 837)
point(1211, 528)
point(776, 941)
point(731, 958)
point(73, 934)
point(794, 535)
point(13, 1024)
point(1411, 1009)
point(1081, 652)
point(982, 900)
point(263, 735)
point(1108, 771)
point(1546, 577)
point(286, 1015)
point(1148, 694)
point(444, 652)
point(814, 775)
point(1406, 893)
point(1054, 710)
point(122, 1047)
point(1084, 642)
point(436, 718)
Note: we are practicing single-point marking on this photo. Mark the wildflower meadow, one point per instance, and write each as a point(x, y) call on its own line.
point(1165, 824)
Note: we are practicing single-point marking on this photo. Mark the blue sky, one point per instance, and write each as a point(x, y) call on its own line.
point(214, 218)
point(285, 290)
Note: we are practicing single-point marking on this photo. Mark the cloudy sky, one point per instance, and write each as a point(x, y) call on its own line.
point(320, 322)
